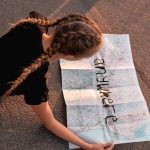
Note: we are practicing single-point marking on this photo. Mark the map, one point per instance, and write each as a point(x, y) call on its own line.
point(102, 94)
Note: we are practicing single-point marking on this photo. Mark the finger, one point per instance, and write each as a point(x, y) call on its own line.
point(110, 148)
point(108, 144)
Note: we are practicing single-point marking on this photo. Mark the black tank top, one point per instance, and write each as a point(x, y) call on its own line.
point(18, 49)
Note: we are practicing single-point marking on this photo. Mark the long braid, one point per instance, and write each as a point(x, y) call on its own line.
point(28, 70)
point(37, 21)
point(77, 17)
point(54, 47)
point(58, 21)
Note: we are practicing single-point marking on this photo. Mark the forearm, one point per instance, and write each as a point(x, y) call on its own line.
point(45, 114)
point(60, 130)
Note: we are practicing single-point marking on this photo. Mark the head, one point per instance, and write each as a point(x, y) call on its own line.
point(76, 40)
point(75, 37)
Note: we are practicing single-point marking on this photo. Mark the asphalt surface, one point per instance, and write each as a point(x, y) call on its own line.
point(20, 128)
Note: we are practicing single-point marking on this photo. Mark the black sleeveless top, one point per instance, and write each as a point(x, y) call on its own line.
point(18, 49)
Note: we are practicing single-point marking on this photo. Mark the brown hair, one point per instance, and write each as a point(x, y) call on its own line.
point(74, 34)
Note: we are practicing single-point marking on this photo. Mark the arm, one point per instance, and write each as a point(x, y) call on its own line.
point(45, 114)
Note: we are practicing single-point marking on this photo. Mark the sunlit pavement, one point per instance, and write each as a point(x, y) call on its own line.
point(20, 129)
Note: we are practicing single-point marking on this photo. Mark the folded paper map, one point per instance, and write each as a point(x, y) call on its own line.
point(102, 94)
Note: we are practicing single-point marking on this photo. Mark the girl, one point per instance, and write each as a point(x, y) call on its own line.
point(29, 50)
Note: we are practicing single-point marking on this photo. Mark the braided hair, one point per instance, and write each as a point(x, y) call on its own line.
point(74, 34)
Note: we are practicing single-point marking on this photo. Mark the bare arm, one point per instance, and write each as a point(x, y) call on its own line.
point(45, 114)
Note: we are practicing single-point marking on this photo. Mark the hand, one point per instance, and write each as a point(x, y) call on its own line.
point(101, 146)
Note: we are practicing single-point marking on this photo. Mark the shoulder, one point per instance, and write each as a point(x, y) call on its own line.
point(20, 31)
point(33, 27)
point(27, 26)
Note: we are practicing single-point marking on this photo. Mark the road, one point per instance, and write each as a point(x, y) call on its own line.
point(19, 126)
